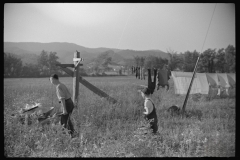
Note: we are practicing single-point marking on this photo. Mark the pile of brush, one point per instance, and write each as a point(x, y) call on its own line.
point(36, 113)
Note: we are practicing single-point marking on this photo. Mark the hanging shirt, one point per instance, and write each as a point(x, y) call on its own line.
point(62, 92)
point(163, 77)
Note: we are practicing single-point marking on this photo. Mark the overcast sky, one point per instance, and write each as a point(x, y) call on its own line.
point(178, 27)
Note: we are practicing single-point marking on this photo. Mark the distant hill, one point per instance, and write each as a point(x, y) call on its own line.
point(26, 56)
point(28, 51)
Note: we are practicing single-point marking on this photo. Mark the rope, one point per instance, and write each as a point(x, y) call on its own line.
point(125, 27)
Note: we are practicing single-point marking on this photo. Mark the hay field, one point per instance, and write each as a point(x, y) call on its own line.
point(107, 130)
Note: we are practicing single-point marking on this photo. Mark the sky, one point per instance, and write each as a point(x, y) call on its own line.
point(177, 27)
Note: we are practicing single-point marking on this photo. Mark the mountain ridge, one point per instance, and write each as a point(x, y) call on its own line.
point(65, 51)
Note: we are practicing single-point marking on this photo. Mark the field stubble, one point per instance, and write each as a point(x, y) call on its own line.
point(107, 130)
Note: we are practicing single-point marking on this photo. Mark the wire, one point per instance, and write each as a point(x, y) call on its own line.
point(208, 28)
point(125, 27)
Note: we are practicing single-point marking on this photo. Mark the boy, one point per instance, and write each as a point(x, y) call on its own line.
point(150, 113)
point(64, 98)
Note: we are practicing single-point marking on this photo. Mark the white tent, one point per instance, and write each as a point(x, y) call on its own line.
point(231, 79)
point(223, 80)
point(212, 79)
point(182, 81)
point(202, 82)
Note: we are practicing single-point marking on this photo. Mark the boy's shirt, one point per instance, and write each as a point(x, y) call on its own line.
point(148, 104)
point(62, 92)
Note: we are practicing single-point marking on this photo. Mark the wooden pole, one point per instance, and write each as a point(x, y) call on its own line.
point(76, 79)
point(96, 90)
point(189, 88)
point(194, 71)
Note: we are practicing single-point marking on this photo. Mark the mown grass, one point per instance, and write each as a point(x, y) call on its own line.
point(107, 130)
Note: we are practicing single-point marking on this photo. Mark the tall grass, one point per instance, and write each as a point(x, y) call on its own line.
point(107, 130)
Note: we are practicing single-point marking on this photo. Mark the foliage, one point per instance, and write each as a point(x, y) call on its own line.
point(190, 59)
point(102, 61)
point(43, 62)
point(210, 61)
point(176, 60)
point(30, 70)
point(150, 61)
point(206, 63)
point(12, 65)
point(220, 61)
point(52, 60)
point(137, 60)
point(230, 57)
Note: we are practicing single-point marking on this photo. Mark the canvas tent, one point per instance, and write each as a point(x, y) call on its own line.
point(212, 79)
point(213, 83)
point(202, 82)
point(231, 79)
point(182, 81)
point(223, 80)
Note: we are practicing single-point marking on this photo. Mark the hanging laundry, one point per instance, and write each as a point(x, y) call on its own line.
point(162, 78)
point(169, 73)
point(141, 74)
point(152, 85)
point(136, 70)
point(144, 73)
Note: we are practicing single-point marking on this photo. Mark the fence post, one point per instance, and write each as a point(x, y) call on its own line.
point(75, 79)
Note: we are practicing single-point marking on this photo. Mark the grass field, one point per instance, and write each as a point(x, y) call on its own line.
point(107, 130)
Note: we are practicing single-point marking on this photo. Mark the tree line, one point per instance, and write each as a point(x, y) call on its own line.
point(211, 61)
point(13, 66)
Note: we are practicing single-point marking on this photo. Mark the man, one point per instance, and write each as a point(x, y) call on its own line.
point(64, 98)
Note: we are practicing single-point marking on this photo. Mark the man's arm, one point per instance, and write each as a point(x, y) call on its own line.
point(63, 105)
